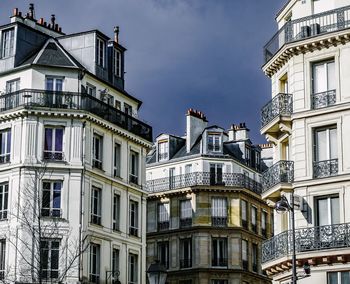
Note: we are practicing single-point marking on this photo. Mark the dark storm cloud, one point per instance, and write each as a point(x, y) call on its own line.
point(204, 54)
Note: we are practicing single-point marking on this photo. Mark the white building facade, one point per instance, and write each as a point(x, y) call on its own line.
point(307, 121)
point(72, 158)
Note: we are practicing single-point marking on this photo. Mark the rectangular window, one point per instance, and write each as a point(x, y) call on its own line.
point(325, 152)
point(97, 151)
point(163, 253)
point(95, 263)
point(128, 109)
point(5, 146)
point(134, 217)
point(116, 211)
point(216, 174)
point(163, 216)
point(244, 214)
point(2, 258)
point(50, 250)
point(327, 210)
point(264, 224)
point(254, 213)
point(214, 142)
point(13, 86)
point(341, 277)
point(7, 43)
point(53, 144)
point(51, 199)
point(134, 167)
point(163, 150)
point(248, 159)
point(219, 252)
point(185, 213)
point(219, 212)
point(115, 263)
point(118, 105)
point(96, 200)
point(101, 51)
point(188, 169)
point(133, 271)
point(116, 160)
point(91, 90)
point(4, 189)
point(255, 257)
point(244, 254)
point(117, 63)
point(185, 253)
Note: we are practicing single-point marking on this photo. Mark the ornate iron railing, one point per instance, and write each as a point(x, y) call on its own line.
point(53, 155)
point(163, 225)
point(299, 29)
point(219, 221)
point(323, 99)
point(281, 172)
point(186, 222)
point(306, 239)
point(280, 105)
point(30, 98)
point(203, 178)
point(220, 261)
point(325, 168)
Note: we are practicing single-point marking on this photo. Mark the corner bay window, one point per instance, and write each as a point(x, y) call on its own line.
point(51, 199)
point(244, 214)
point(50, 249)
point(5, 145)
point(245, 254)
point(134, 167)
point(219, 211)
point(214, 142)
point(133, 218)
point(95, 257)
point(7, 42)
point(96, 200)
point(97, 151)
point(163, 216)
point(53, 144)
point(219, 252)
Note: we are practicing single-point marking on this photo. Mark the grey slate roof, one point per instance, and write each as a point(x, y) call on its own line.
point(52, 55)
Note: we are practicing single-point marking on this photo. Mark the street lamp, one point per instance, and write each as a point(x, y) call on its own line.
point(283, 206)
point(156, 273)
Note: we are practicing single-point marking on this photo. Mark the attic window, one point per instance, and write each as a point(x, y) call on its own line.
point(7, 43)
point(117, 63)
point(163, 150)
point(101, 52)
point(214, 142)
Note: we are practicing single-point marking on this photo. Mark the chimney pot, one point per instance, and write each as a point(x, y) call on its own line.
point(59, 29)
point(15, 11)
point(53, 19)
point(116, 34)
point(41, 21)
point(31, 11)
point(45, 24)
point(56, 27)
point(19, 14)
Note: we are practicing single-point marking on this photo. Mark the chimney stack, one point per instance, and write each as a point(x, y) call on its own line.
point(241, 131)
point(116, 34)
point(196, 122)
point(41, 21)
point(53, 19)
point(31, 11)
point(15, 12)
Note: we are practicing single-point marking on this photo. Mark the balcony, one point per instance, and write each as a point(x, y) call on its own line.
point(279, 176)
point(30, 99)
point(4, 158)
point(164, 225)
point(218, 221)
point(307, 27)
point(325, 168)
point(275, 112)
point(308, 240)
point(186, 263)
point(185, 222)
point(202, 179)
point(323, 99)
point(53, 156)
point(222, 262)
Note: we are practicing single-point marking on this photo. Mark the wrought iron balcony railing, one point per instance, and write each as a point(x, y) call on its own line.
point(164, 225)
point(325, 168)
point(203, 178)
point(218, 221)
point(280, 105)
point(185, 263)
point(299, 29)
point(323, 99)
point(281, 172)
point(4, 158)
point(306, 240)
point(30, 98)
point(185, 222)
point(219, 261)
point(53, 156)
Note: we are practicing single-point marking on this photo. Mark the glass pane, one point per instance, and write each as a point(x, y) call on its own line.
point(8, 141)
point(59, 139)
point(321, 145)
point(335, 210)
point(333, 278)
point(49, 84)
point(59, 84)
point(2, 144)
point(323, 212)
point(319, 78)
point(56, 199)
point(345, 277)
point(333, 143)
point(48, 139)
point(331, 76)
point(46, 199)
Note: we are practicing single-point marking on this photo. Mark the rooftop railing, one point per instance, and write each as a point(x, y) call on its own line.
point(281, 172)
point(307, 240)
point(30, 98)
point(307, 27)
point(280, 105)
point(203, 178)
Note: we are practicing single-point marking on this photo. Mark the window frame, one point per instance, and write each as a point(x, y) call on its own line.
point(117, 62)
point(133, 268)
point(7, 38)
point(53, 155)
point(214, 142)
point(220, 260)
point(95, 263)
point(2, 258)
point(101, 57)
point(134, 167)
point(96, 213)
point(116, 212)
point(54, 212)
point(133, 217)
point(50, 249)
point(5, 152)
point(97, 154)
point(117, 159)
point(4, 193)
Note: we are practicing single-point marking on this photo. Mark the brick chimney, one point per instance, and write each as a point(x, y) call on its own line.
point(238, 132)
point(196, 122)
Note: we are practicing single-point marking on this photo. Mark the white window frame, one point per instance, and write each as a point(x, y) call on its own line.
point(219, 207)
point(328, 142)
point(53, 144)
point(4, 191)
point(163, 150)
point(117, 62)
point(133, 217)
point(326, 74)
point(116, 159)
point(96, 213)
point(52, 211)
point(7, 42)
point(97, 155)
point(116, 211)
point(186, 209)
point(50, 249)
point(134, 166)
point(5, 152)
point(95, 268)
point(214, 142)
point(133, 268)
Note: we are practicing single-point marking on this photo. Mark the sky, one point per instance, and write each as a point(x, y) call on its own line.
point(181, 54)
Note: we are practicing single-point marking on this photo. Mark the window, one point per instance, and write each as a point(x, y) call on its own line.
point(255, 257)
point(325, 152)
point(116, 160)
point(96, 200)
point(263, 223)
point(53, 144)
point(172, 178)
point(244, 254)
point(188, 169)
point(214, 142)
point(133, 214)
point(51, 199)
point(219, 281)
point(91, 90)
point(185, 213)
point(134, 167)
point(50, 250)
point(101, 52)
point(163, 150)
point(323, 84)
point(284, 84)
point(12, 86)
point(185, 253)
point(219, 252)
point(5, 146)
point(97, 151)
point(2, 258)
point(115, 263)
point(327, 210)
point(128, 109)
point(118, 105)
point(95, 263)
point(248, 159)
point(133, 271)
point(244, 214)
point(216, 174)
point(163, 216)
point(219, 212)
point(117, 63)
point(254, 213)
point(163, 253)
point(7, 43)
point(109, 100)
point(116, 211)
point(341, 277)
point(4, 189)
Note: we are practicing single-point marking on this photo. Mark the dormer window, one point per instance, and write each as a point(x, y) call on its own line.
point(101, 52)
point(7, 43)
point(163, 150)
point(117, 63)
point(214, 142)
